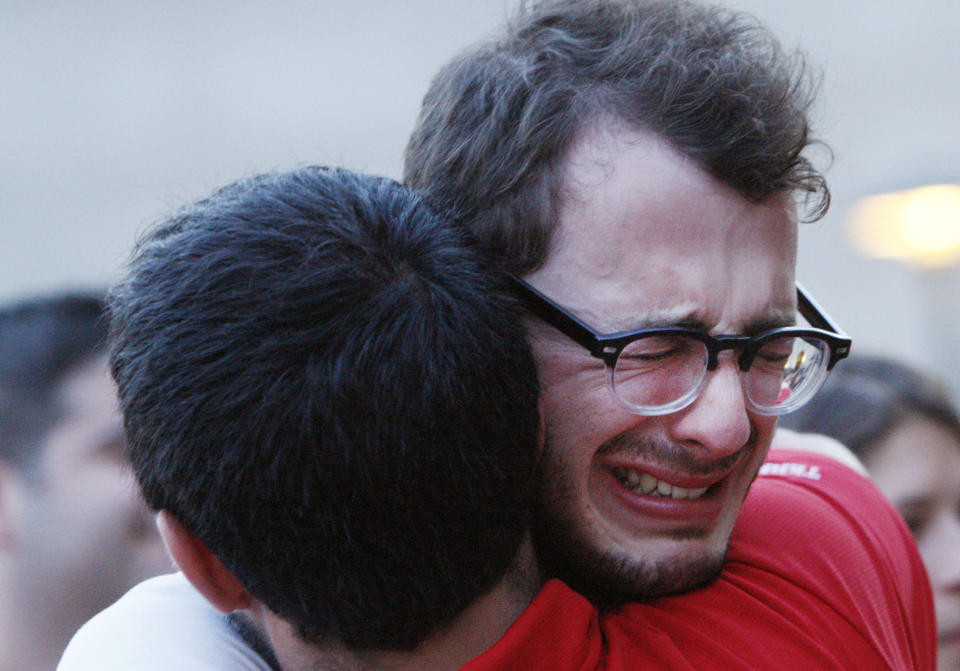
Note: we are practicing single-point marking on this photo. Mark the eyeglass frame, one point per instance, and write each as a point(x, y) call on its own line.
point(608, 346)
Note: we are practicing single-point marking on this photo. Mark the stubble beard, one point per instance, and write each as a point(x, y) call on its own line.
point(603, 575)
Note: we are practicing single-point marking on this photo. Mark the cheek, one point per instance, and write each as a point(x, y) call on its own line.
point(578, 422)
point(939, 545)
point(100, 502)
point(575, 396)
point(563, 398)
point(579, 419)
point(763, 427)
point(575, 425)
point(567, 374)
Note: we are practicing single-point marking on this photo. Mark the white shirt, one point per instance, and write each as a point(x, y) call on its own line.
point(138, 631)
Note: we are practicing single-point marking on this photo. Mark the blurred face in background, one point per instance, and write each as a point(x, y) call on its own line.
point(78, 534)
point(917, 465)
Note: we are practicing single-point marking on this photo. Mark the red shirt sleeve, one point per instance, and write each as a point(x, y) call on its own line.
point(854, 553)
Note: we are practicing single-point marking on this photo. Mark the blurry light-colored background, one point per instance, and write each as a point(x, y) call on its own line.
point(113, 113)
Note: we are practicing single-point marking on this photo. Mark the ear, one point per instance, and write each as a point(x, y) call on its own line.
point(202, 568)
point(11, 493)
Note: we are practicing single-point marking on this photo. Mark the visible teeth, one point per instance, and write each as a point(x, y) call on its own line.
point(648, 483)
point(644, 483)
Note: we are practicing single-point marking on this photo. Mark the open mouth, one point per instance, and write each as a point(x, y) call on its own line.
point(644, 483)
point(645, 496)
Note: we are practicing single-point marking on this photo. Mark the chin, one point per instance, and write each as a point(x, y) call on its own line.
point(639, 575)
point(653, 567)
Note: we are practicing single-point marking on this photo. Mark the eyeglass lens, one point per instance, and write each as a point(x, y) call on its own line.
point(664, 373)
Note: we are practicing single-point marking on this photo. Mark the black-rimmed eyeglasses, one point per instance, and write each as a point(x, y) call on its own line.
point(660, 370)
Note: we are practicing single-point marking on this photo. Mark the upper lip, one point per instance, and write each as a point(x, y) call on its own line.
point(667, 474)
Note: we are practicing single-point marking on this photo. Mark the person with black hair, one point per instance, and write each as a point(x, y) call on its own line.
point(330, 399)
point(310, 369)
point(903, 424)
point(73, 533)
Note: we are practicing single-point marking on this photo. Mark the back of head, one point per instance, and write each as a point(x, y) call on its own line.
point(42, 340)
point(326, 384)
point(496, 123)
point(867, 396)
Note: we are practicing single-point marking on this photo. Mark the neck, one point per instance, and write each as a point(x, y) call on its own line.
point(448, 648)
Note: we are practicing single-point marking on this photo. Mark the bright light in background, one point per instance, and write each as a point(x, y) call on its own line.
point(920, 226)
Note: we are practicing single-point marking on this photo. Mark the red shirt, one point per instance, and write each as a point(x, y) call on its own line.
point(821, 574)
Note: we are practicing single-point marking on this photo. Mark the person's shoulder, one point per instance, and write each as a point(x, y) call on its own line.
point(558, 630)
point(835, 491)
point(814, 524)
point(818, 444)
point(811, 506)
point(817, 475)
point(160, 624)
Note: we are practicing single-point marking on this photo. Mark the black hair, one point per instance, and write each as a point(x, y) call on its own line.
point(497, 121)
point(331, 388)
point(42, 340)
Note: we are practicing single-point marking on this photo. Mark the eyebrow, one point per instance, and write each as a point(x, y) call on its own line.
point(684, 317)
point(778, 319)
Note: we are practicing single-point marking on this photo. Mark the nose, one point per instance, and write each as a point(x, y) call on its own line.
point(717, 420)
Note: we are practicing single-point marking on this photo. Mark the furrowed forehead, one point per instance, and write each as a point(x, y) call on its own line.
point(646, 238)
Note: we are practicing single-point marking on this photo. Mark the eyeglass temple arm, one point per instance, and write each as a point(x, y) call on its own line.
point(815, 314)
point(817, 318)
point(553, 314)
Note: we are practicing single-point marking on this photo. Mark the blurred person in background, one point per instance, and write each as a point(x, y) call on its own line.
point(74, 534)
point(905, 428)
